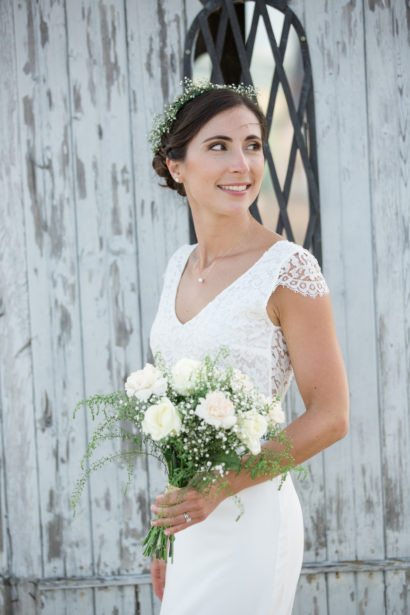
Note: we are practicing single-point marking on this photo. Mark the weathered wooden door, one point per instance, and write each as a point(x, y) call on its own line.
point(85, 233)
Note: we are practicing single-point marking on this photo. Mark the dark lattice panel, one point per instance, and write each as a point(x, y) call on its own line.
point(219, 30)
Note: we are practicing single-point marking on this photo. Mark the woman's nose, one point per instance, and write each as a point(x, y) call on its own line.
point(239, 161)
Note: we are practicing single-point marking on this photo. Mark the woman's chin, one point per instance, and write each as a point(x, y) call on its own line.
point(224, 204)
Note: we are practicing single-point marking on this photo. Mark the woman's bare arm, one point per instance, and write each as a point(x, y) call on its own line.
point(314, 351)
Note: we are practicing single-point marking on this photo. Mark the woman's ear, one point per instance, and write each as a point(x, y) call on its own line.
point(174, 169)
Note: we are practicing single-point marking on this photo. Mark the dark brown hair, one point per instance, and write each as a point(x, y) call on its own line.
point(190, 119)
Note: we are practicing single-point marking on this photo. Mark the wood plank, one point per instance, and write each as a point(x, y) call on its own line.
point(145, 601)
point(78, 582)
point(398, 592)
point(4, 529)
point(402, 54)
point(375, 565)
point(125, 600)
point(311, 596)
point(117, 600)
point(371, 593)
point(364, 534)
point(4, 598)
point(22, 549)
point(67, 602)
point(108, 268)
point(157, 605)
point(341, 593)
point(346, 268)
point(387, 50)
point(10, 188)
point(54, 301)
point(355, 522)
point(24, 597)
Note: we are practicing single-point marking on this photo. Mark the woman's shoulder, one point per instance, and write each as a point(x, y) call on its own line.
point(300, 270)
point(276, 246)
point(286, 248)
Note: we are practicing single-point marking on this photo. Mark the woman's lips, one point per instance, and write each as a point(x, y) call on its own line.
point(236, 189)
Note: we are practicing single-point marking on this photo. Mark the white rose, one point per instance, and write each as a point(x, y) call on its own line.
point(146, 382)
point(241, 381)
point(184, 375)
point(161, 420)
point(275, 414)
point(217, 410)
point(251, 429)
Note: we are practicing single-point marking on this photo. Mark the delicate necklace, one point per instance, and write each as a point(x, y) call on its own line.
point(201, 278)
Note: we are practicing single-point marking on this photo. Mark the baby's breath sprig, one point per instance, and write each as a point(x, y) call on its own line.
point(163, 123)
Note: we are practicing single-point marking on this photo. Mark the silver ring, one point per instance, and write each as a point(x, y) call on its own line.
point(187, 517)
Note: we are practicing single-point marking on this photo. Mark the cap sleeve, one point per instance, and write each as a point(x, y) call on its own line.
point(302, 274)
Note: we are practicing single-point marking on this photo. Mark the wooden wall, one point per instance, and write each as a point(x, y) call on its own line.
point(85, 234)
point(357, 501)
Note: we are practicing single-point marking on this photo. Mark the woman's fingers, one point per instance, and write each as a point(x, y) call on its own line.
point(170, 509)
point(172, 521)
point(187, 506)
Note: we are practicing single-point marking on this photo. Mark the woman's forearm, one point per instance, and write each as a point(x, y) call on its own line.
point(309, 434)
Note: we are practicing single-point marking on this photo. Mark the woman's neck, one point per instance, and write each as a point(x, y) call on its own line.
point(218, 238)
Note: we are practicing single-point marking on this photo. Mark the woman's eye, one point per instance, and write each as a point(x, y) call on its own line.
point(217, 147)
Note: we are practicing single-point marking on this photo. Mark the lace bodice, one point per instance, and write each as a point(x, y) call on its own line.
point(237, 316)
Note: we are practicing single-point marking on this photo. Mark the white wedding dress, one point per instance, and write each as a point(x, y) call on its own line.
point(249, 567)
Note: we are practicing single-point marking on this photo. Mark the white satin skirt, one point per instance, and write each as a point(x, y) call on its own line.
point(248, 567)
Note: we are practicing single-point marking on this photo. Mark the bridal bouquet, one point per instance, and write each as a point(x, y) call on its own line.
point(201, 420)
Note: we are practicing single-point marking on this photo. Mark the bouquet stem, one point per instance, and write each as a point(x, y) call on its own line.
point(156, 543)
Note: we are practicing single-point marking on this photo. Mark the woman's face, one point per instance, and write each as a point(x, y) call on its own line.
point(224, 163)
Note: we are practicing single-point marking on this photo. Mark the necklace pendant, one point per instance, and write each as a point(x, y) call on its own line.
point(201, 280)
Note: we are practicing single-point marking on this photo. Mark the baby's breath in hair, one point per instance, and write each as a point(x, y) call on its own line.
point(162, 123)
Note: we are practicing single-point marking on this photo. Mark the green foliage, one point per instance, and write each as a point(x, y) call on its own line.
point(115, 409)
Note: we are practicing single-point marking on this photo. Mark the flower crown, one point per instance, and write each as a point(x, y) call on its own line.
point(162, 123)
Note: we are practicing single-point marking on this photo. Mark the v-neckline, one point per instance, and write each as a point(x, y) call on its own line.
point(222, 292)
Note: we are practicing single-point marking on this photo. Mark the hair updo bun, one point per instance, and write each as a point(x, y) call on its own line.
point(160, 166)
point(188, 122)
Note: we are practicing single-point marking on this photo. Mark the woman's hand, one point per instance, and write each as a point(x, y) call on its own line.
point(158, 568)
point(170, 508)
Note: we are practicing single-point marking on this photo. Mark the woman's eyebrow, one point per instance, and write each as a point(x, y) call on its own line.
point(224, 138)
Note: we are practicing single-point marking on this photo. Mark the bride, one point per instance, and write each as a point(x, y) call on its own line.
point(264, 297)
